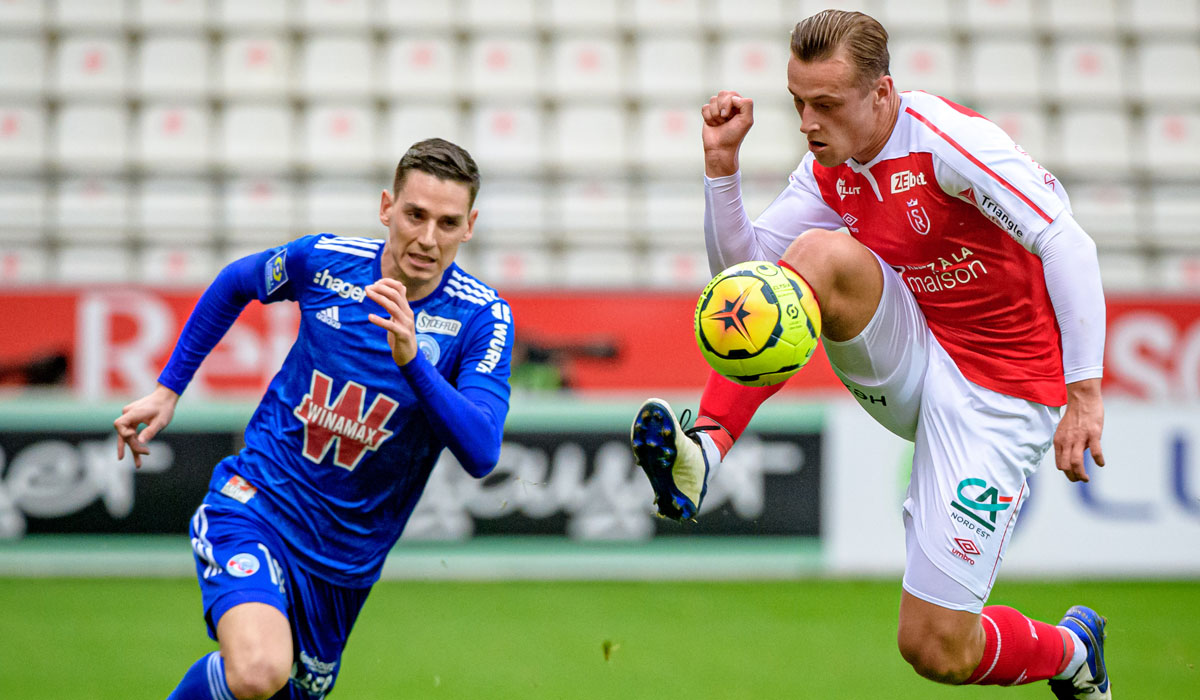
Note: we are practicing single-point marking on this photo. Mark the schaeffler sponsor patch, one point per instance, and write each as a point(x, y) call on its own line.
point(428, 323)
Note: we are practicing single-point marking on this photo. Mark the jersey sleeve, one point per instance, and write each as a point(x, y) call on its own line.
point(280, 270)
point(731, 237)
point(487, 350)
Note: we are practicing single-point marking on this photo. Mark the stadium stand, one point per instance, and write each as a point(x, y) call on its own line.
point(175, 133)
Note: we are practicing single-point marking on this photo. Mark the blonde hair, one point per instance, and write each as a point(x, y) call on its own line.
point(865, 39)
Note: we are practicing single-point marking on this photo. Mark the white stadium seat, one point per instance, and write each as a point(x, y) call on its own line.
point(586, 67)
point(1086, 71)
point(1005, 70)
point(87, 208)
point(408, 124)
point(509, 268)
point(90, 66)
point(1081, 17)
point(673, 209)
point(241, 15)
point(656, 17)
point(1095, 142)
point(988, 17)
point(731, 18)
point(1172, 143)
point(22, 136)
point(1168, 71)
point(173, 137)
point(175, 66)
point(755, 67)
point(511, 212)
point(175, 209)
point(668, 69)
point(177, 265)
point(339, 136)
point(406, 15)
point(323, 15)
point(503, 66)
point(506, 139)
point(926, 63)
point(1158, 17)
point(419, 67)
point(255, 137)
point(26, 14)
point(258, 207)
point(183, 14)
point(592, 205)
point(921, 18)
point(24, 264)
point(667, 141)
point(590, 17)
point(1180, 272)
point(799, 9)
point(1174, 211)
point(22, 208)
point(91, 137)
point(93, 264)
point(255, 66)
point(677, 267)
point(1027, 126)
point(598, 267)
point(774, 145)
point(1108, 212)
point(89, 14)
point(22, 67)
point(1122, 270)
point(336, 67)
point(343, 207)
point(504, 15)
point(588, 139)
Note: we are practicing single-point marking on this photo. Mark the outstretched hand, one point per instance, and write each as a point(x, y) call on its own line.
point(1080, 428)
point(155, 411)
point(402, 335)
point(727, 119)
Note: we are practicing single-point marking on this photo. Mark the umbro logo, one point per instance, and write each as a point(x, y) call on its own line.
point(330, 316)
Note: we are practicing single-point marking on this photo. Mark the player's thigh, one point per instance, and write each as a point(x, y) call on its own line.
point(884, 365)
point(843, 274)
point(973, 451)
point(256, 640)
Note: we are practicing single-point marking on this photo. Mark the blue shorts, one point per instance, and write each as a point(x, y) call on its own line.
point(239, 560)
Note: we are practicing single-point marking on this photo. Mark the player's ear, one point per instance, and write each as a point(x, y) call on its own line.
point(471, 224)
point(385, 208)
point(884, 87)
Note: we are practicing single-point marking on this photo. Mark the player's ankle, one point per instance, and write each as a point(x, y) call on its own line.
point(721, 438)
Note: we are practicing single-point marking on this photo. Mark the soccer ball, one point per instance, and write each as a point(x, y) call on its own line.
point(757, 323)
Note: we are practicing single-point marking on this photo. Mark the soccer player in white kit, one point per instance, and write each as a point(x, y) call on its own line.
point(963, 311)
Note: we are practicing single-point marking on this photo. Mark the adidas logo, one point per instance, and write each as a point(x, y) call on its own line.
point(330, 316)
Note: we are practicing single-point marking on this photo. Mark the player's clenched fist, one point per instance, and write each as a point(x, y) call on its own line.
point(727, 118)
point(402, 337)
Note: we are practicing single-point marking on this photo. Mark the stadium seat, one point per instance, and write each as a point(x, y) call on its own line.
point(1180, 273)
point(590, 139)
point(22, 67)
point(1168, 71)
point(92, 138)
point(255, 66)
point(336, 67)
point(667, 141)
point(1004, 70)
point(262, 14)
point(1081, 17)
point(513, 213)
point(324, 15)
point(181, 14)
point(506, 139)
point(93, 264)
point(729, 17)
point(22, 209)
point(505, 16)
point(1108, 212)
point(658, 17)
point(986, 18)
point(505, 66)
point(22, 137)
point(755, 67)
point(88, 208)
point(24, 264)
point(256, 137)
point(406, 15)
point(587, 206)
point(1027, 126)
point(674, 210)
point(775, 144)
point(259, 208)
point(174, 66)
point(1174, 211)
point(177, 265)
point(758, 191)
point(173, 137)
point(1124, 270)
point(926, 63)
point(591, 17)
point(89, 14)
point(1093, 142)
point(807, 8)
point(1154, 18)
point(1086, 71)
point(175, 210)
point(407, 124)
point(28, 14)
point(90, 66)
point(339, 136)
point(666, 69)
point(676, 267)
point(904, 17)
point(1172, 138)
point(586, 68)
point(419, 67)
point(599, 267)
point(343, 207)
point(513, 268)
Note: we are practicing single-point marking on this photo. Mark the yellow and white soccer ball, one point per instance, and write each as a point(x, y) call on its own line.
point(757, 323)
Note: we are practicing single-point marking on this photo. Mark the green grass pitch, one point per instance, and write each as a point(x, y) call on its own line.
point(127, 638)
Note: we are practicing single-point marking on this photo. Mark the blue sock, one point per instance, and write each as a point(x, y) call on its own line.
point(205, 680)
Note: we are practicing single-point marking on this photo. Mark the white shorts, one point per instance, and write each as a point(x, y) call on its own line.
point(973, 447)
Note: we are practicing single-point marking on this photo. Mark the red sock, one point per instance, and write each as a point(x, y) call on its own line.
point(1019, 650)
point(730, 406)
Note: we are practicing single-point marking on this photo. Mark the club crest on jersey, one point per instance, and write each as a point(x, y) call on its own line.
point(242, 565)
point(342, 421)
point(429, 348)
point(917, 218)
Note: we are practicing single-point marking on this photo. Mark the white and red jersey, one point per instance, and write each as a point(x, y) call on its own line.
point(954, 206)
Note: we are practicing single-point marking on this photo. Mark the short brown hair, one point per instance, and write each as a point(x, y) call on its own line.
point(441, 159)
point(865, 39)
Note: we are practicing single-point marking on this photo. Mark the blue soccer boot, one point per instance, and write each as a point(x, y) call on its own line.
point(1090, 682)
point(672, 459)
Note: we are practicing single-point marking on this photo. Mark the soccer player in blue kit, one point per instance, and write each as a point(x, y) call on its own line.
point(400, 353)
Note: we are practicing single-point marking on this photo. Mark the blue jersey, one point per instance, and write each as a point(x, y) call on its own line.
point(339, 450)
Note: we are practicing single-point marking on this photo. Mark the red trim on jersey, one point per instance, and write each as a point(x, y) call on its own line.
point(979, 164)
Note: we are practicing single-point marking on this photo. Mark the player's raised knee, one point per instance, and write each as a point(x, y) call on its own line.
point(937, 660)
point(257, 678)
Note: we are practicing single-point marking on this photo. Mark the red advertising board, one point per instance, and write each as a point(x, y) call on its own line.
point(116, 339)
